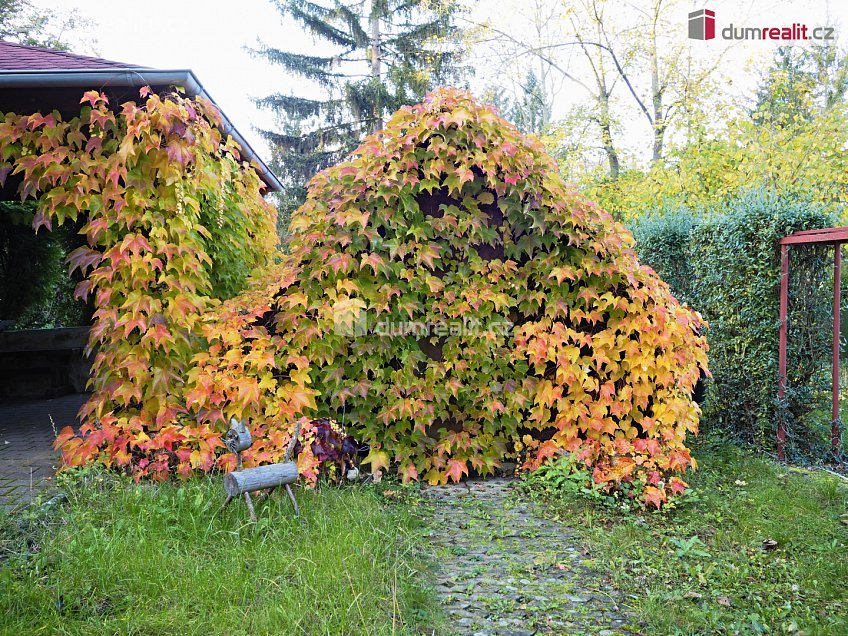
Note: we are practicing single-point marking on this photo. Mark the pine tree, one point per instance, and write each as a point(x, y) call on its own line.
point(526, 107)
point(530, 111)
point(375, 56)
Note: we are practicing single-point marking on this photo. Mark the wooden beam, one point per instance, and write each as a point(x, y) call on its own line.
point(250, 479)
point(828, 235)
point(781, 356)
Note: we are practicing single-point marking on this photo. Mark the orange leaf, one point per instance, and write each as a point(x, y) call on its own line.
point(64, 435)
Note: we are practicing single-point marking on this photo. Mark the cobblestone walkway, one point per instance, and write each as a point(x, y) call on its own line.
point(27, 459)
point(504, 570)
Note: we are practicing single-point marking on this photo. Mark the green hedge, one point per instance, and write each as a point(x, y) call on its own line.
point(663, 241)
point(726, 264)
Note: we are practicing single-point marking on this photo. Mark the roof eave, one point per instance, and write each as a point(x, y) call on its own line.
point(137, 77)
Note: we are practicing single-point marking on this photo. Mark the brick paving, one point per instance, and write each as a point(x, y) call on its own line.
point(505, 570)
point(27, 459)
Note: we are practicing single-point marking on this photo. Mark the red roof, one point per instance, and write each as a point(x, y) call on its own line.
point(19, 57)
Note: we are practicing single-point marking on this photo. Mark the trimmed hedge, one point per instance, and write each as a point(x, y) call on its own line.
point(663, 241)
point(727, 266)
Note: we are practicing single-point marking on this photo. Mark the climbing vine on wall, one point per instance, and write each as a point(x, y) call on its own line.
point(444, 292)
point(174, 221)
point(460, 304)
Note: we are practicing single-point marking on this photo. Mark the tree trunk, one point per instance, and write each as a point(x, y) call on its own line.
point(374, 23)
point(606, 138)
point(656, 93)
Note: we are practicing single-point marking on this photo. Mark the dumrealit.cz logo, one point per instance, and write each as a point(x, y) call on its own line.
point(702, 26)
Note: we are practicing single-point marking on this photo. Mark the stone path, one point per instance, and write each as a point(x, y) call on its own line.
point(503, 570)
point(27, 459)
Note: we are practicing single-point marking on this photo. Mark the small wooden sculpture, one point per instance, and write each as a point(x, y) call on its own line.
point(244, 481)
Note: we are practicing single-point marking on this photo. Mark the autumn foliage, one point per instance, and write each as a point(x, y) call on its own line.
point(452, 220)
point(175, 221)
point(445, 294)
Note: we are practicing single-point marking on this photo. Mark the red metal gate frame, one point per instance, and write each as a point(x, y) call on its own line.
point(835, 236)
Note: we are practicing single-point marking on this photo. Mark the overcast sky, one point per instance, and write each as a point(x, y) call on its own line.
point(206, 36)
point(209, 36)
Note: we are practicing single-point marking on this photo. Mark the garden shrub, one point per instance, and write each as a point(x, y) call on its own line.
point(443, 293)
point(47, 298)
point(459, 304)
point(726, 264)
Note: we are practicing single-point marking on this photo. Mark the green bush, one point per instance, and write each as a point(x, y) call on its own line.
point(663, 241)
point(727, 266)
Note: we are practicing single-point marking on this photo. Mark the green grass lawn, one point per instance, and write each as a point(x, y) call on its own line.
point(118, 558)
point(702, 569)
point(157, 559)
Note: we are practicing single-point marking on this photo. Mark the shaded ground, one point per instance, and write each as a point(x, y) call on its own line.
point(27, 459)
point(503, 569)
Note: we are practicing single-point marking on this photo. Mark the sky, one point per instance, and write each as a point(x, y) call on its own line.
point(209, 37)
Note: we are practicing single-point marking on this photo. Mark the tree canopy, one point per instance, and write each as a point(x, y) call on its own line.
point(22, 22)
point(373, 58)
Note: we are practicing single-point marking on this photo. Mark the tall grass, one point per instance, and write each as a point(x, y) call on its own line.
point(121, 558)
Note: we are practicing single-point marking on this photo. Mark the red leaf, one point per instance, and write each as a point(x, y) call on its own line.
point(93, 97)
point(653, 495)
point(94, 143)
point(677, 485)
point(136, 244)
point(83, 258)
point(547, 450)
point(178, 152)
point(40, 220)
point(372, 260)
point(409, 473)
point(456, 469)
point(339, 262)
point(83, 289)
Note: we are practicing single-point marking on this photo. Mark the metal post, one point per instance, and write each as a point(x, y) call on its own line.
point(781, 384)
point(837, 310)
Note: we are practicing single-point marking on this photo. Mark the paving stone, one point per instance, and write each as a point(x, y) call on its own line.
point(27, 458)
point(506, 570)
